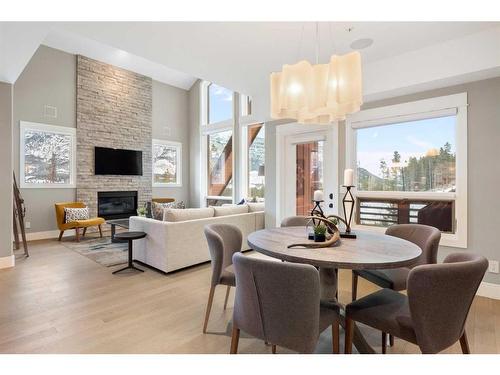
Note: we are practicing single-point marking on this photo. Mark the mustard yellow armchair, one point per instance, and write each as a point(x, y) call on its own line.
point(76, 225)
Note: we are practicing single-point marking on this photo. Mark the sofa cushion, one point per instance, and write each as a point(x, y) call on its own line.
point(255, 207)
point(176, 214)
point(230, 210)
point(157, 208)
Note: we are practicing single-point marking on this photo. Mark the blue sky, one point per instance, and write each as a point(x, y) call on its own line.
point(412, 138)
point(221, 103)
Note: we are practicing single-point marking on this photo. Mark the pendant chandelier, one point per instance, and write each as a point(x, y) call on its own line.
point(320, 93)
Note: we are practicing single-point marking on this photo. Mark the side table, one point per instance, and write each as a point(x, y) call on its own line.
point(129, 236)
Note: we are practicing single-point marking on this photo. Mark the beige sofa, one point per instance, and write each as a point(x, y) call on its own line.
point(179, 241)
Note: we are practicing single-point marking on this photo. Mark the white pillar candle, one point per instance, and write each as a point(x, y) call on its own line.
point(348, 177)
point(318, 195)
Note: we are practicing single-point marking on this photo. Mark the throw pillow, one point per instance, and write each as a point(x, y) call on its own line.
point(75, 214)
point(158, 208)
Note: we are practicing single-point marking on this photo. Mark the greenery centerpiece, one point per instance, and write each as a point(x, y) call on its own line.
point(320, 233)
point(141, 211)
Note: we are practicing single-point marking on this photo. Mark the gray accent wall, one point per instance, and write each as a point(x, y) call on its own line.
point(171, 123)
point(195, 144)
point(483, 142)
point(6, 168)
point(48, 79)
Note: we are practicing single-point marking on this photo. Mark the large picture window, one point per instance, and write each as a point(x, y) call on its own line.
point(167, 163)
point(220, 167)
point(411, 165)
point(47, 156)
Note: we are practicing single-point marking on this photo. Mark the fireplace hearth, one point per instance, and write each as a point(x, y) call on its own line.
point(116, 204)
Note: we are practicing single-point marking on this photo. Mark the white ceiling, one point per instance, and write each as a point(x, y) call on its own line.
point(241, 55)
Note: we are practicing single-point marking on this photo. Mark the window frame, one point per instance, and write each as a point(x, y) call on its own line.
point(47, 128)
point(455, 104)
point(178, 147)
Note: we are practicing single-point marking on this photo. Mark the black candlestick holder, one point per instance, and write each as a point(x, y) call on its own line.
point(348, 198)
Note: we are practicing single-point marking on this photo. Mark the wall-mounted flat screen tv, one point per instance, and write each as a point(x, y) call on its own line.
point(118, 162)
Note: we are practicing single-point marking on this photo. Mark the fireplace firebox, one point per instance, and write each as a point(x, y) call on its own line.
point(116, 204)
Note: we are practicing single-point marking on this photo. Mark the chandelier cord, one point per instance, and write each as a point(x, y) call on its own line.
point(317, 42)
point(300, 42)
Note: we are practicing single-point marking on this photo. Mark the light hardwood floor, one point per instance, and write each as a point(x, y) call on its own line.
point(58, 301)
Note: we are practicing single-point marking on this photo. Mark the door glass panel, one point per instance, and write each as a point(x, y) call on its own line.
point(309, 172)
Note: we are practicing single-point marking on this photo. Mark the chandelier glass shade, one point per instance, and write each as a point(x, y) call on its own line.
point(318, 94)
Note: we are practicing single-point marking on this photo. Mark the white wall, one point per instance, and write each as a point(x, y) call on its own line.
point(171, 123)
point(6, 173)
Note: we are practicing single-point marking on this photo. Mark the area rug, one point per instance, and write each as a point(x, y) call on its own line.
point(100, 250)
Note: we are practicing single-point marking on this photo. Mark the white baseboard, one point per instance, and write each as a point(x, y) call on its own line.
point(489, 290)
point(7, 262)
point(49, 234)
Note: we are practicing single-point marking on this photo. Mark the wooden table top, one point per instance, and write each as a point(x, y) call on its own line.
point(368, 251)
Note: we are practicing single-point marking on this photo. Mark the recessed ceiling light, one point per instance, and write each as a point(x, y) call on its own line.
point(361, 43)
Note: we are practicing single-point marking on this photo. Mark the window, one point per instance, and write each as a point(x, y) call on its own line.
point(256, 159)
point(219, 104)
point(47, 156)
point(220, 167)
point(411, 165)
point(167, 163)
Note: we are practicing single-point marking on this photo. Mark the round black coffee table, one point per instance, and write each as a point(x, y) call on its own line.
point(129, 236)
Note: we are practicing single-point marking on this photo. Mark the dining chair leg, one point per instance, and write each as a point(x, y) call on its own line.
point(384, 342)
point(100, 230)
point(235, 338)
point(273, 349)
point(227, 296)
point(335, 336)
point(464, 343)
point(354, 292)
point(349, 333)
point(391, 340)
point(77, 232)
point(84, 231)
point(209, 307)
point(60, 235)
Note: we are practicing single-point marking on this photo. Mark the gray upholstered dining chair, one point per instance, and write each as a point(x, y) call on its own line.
point(433, 314)
point(425, 237)
point(223, 241)
point(294, 221)
point(280, 304)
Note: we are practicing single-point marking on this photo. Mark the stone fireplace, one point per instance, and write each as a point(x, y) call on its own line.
point(114, 110)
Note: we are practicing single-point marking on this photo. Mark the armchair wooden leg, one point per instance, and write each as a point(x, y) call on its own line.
point(335, 337)
point(77, 232)
point(100, 230)
point(384, 342)
point(61, 235)
point(84, 231)
point(235, 338)
point(209, 307)
point(354, 292)
point(273, 349)
point(349, 333)
point(391, 340)
point(227, 296)
point(464, 343)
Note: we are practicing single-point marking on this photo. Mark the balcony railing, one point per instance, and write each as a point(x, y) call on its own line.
point(386, 212)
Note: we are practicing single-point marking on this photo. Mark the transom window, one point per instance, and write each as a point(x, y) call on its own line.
point(167, 163)
point(411, 165)
point(47, 155)
point(219, 104)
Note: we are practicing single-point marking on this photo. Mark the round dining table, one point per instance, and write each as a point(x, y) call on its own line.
point(370, 250)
